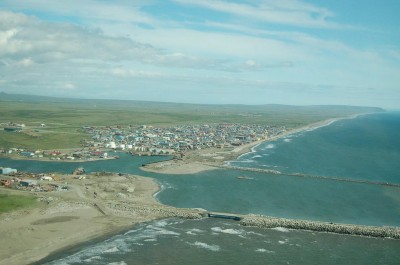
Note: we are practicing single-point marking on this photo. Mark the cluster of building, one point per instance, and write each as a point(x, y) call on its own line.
point(152, 140)
point(13, 127)
point(85, 155)
point(169, 140)
point(11, 178)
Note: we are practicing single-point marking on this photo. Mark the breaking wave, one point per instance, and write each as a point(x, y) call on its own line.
point(227, 231)
point(205, 246)
point(280, 229)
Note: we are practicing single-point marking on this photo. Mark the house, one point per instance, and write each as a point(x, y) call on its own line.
point(46, 178)
point(12, 129)
point(7, 170)
point(5, 182)
point(27, 154)
point(27, 183)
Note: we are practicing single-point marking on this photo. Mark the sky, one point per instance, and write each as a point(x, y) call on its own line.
point(293, 52)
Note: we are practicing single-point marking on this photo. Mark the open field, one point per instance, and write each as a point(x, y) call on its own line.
point(65, 117)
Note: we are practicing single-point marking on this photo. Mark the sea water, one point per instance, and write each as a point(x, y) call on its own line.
point(211, 241)
point(365, 148)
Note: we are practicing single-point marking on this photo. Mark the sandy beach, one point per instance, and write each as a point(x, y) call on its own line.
point(211, 158)
point(94, 207)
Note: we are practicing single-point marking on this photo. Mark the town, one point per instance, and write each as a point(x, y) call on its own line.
point(151, 140)
point(178, 139)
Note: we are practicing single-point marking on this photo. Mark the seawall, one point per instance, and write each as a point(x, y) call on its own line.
point(349, 229)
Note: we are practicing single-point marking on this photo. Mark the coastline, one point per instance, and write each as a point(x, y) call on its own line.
point(81, 215)
point(213, 158)
point(65, 220)
point(45, 159)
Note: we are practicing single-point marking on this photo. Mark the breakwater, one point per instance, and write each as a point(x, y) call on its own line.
point(125, 209)
point(261, 221)
point(349, 229)
point(302, 175)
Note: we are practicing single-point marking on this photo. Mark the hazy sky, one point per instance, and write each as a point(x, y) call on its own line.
point(203, 51)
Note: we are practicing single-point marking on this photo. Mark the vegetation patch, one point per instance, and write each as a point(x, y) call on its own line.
point(62, 119)
point(10, 203)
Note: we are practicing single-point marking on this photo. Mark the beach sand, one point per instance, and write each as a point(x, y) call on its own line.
point(68, 218)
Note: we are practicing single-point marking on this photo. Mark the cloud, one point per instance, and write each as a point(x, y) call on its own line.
point(288, 12)
point(69, 86)
point(49, 42)
point(24, 36)
point(102, 48)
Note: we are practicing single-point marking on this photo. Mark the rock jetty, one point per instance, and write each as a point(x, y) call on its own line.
point(302, 175)
point(361, 230)
point(128, 210)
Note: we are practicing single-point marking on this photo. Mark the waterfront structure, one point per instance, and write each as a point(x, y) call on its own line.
point(7, 170)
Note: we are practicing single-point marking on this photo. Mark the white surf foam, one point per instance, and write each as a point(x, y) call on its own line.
point(287, 140)
point(155, 231)
point(194, 231)
point(254, 233)
point(280, 229)
point(111, 250)
point(118, 263)
point(164, 186)
point(246, 161)
point(92, 259)
point(270, 146)
point(263, 250)
point(227, 231)
point(205, 246)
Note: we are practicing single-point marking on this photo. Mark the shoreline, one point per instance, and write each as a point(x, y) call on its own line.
point(202, 161)
point(93, 209)
point(120, 216)
point(13, 157)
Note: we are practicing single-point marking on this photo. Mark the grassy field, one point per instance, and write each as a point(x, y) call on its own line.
point(15, 202)
point(64, 118)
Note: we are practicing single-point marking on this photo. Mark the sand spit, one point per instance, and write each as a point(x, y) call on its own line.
point(349, 229)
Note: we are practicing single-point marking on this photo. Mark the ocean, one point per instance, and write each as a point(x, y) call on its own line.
point(364, 148)
point(211, 241)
